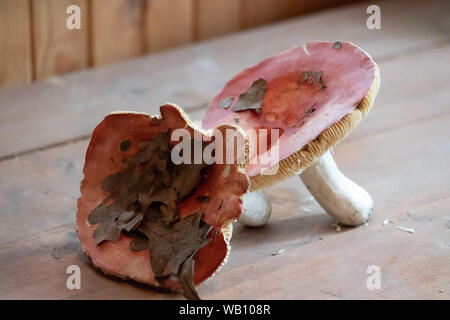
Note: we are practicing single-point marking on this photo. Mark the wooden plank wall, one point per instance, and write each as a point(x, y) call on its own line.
point(35, 43)
point(56, 48)
point(15, 47)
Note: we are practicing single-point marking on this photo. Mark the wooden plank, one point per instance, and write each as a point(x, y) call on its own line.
point(392, 109)
point(58, 249)
point(319, 262)
point(413, 266)
point(258, 12)
point(218, 17)
point(57, 49)
point(297, 7)
point(192, 75)
point(15, 43)
point(169, 24)
point(117, 30)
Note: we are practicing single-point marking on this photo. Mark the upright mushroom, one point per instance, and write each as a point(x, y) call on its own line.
point(144, 217)
point(313, 95)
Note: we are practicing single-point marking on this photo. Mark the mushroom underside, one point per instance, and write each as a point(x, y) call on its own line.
point(344, 200)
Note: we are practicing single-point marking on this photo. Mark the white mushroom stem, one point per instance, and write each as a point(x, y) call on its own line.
point(257, 209)
point(340, 197)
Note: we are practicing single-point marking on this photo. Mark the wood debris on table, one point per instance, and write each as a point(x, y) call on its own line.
point(410, 230)
point(275, 253)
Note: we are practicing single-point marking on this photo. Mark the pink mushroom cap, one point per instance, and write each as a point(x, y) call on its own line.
point(295, 102)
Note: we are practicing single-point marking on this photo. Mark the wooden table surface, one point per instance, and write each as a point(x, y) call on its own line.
point(400, 153)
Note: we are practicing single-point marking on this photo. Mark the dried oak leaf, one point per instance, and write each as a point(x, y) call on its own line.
point(252, 98)
point(139, 243)
point(185, 279)
point(173, 246)
point(131, 190)
point(185, 178)
point(225, 103)
point(182, 180)
point(112, 220)
point(313, 76)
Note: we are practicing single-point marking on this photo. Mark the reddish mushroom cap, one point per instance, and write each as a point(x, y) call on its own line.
point(103, 158)
point(309, 88)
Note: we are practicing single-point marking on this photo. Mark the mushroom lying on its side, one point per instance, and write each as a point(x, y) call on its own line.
point(313, 95)
point(144, 217)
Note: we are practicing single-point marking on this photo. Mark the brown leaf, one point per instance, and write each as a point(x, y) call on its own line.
point(112, 221)
point(186, 177)
point(225, 103)
point(172, 245)
point(139, 243)
point(185, 279)
point(131, 190)
point(313, 76)
point(252, 98)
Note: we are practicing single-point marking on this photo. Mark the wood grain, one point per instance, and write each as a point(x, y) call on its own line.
point(168, 23)
point(297, 7)
point(258, 12)
point(413, 266)
point(218, 17)
point(117, 30)
point(15, 43)
point(57, 49)
point(198, 72)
